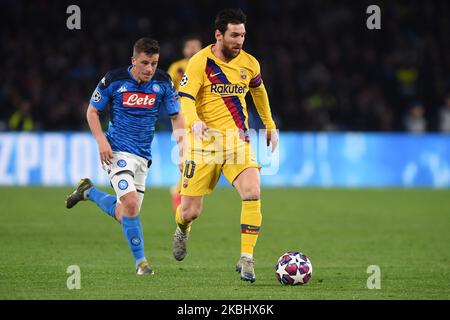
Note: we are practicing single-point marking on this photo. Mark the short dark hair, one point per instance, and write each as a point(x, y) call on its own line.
point(191, 37)
point(146, 45)
point(226, 16)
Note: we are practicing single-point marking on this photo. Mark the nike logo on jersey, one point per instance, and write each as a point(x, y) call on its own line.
point(215, 74)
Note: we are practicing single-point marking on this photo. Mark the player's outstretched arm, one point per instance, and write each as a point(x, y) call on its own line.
point(261, 100)
point(104, 148)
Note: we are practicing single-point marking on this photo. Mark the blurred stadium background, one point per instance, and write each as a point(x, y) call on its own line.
point(356, 108)
point(324, 70)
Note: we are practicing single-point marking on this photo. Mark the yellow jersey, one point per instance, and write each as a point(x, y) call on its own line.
point(176, 71)
point(213, 91)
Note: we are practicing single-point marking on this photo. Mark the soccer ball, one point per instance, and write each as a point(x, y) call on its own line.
point(293, 268)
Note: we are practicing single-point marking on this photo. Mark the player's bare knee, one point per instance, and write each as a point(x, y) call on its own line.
point(186, 215)
point(131, 206)
point(190, 213)
point(191, 208)
point(133, 209)
point(251, 193)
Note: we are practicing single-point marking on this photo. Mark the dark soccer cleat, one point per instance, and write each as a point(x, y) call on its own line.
point(179, 245)
point(143, 269)
point(245, 267)
point(80, 193)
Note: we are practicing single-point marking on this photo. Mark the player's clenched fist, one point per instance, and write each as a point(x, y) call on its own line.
point(199, 128)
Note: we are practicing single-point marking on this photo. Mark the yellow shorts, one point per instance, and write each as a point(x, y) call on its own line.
point(205, 163)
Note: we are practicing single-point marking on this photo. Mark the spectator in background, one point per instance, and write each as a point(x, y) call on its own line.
point(444, 116)
point(415, 119)
point(324, 69)
point(21, 120)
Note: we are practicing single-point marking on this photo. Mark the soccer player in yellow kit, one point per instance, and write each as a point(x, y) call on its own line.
point(212, 93)
point(191, 45)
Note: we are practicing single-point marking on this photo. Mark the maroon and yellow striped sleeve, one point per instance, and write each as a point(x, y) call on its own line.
point(190, 84)
point(261, 99)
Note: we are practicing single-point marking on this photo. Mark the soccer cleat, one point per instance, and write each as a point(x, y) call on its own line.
point(176, 198)
point(80, 193)
point(245, 266)
point(179, 245)
point(143, 269)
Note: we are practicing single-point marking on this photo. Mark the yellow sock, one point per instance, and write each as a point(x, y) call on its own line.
point(250, 223)
point(184, 227)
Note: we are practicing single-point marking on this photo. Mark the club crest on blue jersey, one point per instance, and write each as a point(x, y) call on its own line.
point(156, 88)
point(121, 163)
point(123, 184)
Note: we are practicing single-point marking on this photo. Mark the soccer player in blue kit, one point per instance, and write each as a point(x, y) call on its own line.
point(136, 93)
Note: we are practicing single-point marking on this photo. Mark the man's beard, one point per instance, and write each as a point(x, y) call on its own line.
point(229, 54)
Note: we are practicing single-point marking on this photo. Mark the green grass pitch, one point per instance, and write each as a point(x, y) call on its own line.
point(405, 232)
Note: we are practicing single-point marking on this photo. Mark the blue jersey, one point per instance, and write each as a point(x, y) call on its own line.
point(135, 108)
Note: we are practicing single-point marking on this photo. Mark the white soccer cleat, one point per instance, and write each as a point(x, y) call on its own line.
point(245, 266)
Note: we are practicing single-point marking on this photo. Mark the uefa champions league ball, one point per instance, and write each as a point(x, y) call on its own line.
point(293, 268)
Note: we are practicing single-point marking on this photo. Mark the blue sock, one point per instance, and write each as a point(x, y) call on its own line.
point(132, 229)
point(105, 201)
